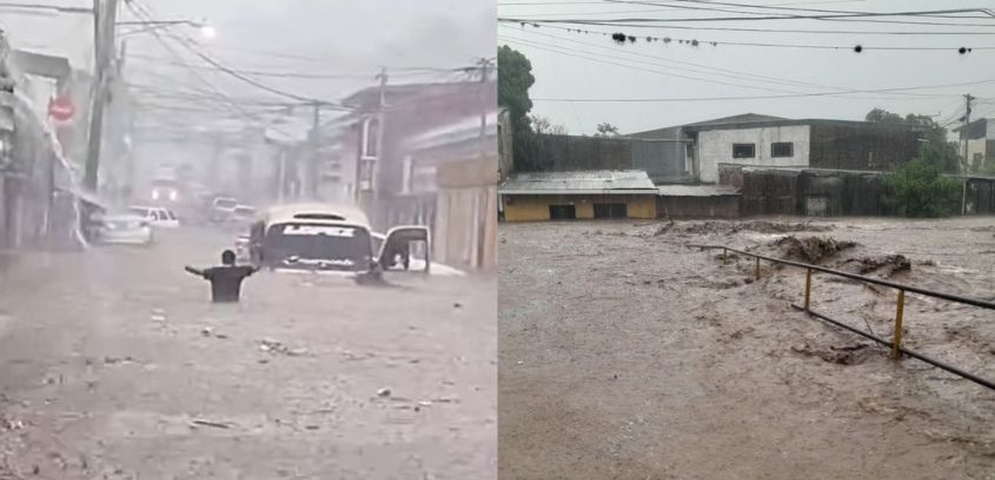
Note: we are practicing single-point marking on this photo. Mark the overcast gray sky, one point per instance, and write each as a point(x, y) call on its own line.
point(344, 41)
point(582, 67)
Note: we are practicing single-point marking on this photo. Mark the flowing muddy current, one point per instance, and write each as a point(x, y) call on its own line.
point(626, 354)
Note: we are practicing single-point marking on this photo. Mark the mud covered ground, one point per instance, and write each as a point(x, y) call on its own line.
point(624, 354)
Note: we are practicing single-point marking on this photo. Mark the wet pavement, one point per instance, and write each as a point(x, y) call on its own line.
point(113, 364)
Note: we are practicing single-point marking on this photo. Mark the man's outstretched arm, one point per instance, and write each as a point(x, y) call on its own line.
point(199, 273)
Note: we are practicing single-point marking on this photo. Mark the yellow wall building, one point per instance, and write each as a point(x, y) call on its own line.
point(578, 195)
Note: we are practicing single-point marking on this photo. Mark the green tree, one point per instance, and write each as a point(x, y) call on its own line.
point(919, 189)
point(606, 130)
point(880, 115)
point(544, 126)
point(934, 148)
point(514, 81)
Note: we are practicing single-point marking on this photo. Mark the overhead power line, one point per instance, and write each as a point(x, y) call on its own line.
point(222, 99)
point(832, 15)
point(619, 37)
point(567, 52)
point(959, 33)
point(413, 72)
point(602, 2)
point(779, 93)
point(755, 97)
point(826, 16)
point(717, 71)
point(778, 8)
point(191, 46)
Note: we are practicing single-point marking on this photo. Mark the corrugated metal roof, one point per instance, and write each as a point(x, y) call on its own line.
point(697, 191)
point(674, 132)
point(802, 122)
point(580, 182)
point(466, 129)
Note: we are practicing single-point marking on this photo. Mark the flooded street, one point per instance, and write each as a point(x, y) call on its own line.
point(114, 364)
point(642, 358)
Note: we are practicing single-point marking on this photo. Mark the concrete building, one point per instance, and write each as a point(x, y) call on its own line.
point(450, 179)
point(823, 144)
point(980, 139)
point(698, 201)
point(685, 136)
point(578, 195)
point(33, 167)
point(433, 162)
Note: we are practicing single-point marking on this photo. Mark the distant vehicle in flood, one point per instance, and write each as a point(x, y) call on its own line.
point(124, 229)
point(166, 190)
point(222, 208)
point(327, 238)
point(240, 218)
point(157, 216)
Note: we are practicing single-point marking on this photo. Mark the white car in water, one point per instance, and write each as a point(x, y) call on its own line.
point(157, 216)
point(124, 229)
point(328, 239)
point(222, 208)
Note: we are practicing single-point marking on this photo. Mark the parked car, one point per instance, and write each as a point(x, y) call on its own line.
point(157, 216)
point(241, 217)
point(222, 208)
point(124, 229)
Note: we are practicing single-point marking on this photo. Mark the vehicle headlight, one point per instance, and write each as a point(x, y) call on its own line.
point(155, 194)
point(172, 195)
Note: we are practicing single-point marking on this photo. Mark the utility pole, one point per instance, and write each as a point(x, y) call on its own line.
point(105, 15)
point(968, 99)
point(374, 167)
point(484, 71)
point(315, 154)
point(217, 153)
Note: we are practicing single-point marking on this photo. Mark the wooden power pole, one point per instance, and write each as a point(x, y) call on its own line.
point(105, 17)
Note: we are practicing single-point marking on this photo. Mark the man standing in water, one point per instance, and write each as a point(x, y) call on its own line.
point(226, 280)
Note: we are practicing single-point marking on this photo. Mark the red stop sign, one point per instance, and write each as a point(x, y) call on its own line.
point(61, 109)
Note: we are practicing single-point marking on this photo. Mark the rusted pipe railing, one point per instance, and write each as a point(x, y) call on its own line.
point(977, 302)
point(896, 343)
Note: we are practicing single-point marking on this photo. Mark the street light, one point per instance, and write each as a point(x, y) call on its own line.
point(208, 31)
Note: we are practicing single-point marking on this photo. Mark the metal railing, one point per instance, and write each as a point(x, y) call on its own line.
point(896, 343)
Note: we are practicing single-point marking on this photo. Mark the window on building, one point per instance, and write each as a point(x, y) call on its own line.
point(406, 175)
point(744, 150)
point(367, 174)
point(500, 141)
point(371, 132)
point(782, 149)
point(689, 159)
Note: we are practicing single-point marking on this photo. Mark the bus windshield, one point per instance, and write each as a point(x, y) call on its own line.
point(319, 245)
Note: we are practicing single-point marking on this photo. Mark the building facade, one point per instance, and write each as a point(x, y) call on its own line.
point(978, 139)
point(578, 195)
point(821, 144)
point(33, 168)
point(433, 161)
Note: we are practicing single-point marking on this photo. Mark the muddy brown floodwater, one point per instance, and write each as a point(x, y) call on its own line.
point(626, 355)
point(114, 365)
